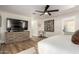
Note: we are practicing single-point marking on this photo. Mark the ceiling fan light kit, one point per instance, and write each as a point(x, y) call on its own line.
point(45, 13)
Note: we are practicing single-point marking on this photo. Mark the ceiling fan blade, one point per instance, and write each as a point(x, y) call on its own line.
point(41, 14)
point(53, 10)
point(39, 11)
point(47, 6)
point(49, 13)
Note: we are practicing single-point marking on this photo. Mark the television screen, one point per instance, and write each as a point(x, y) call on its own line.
point(15, 25)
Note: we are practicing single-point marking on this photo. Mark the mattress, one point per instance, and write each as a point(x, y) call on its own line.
point(59, 44)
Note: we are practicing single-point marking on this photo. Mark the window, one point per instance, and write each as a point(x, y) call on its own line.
point(69, 26)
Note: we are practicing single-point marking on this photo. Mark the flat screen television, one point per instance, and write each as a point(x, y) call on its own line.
point(16, 25)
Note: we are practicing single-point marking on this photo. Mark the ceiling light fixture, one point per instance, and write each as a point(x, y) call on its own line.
point(46, 13)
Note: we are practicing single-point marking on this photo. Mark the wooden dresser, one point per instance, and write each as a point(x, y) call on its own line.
point(17, 36)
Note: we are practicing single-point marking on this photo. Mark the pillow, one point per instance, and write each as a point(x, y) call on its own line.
point(75, 37)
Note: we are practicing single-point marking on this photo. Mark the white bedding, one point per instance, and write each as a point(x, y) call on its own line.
point(57, 45)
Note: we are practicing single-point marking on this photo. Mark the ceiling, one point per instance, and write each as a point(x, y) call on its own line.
point(29, 10)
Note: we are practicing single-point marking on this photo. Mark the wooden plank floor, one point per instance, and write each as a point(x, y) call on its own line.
point(13, 48)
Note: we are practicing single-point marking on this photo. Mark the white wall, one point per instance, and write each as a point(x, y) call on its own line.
point(57, 27)
point(34, 23)
point(5, 15)
point(58, 22)
point(34, 27)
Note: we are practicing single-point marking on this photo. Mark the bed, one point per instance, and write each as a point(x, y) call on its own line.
point(59, 44)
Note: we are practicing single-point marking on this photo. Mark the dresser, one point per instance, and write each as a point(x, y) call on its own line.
point(17, 36)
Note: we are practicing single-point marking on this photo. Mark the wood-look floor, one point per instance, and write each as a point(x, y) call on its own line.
point(13, 48)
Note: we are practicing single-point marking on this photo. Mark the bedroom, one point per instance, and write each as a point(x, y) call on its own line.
point(65, 23)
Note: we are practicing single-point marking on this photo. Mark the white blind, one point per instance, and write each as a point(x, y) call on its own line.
point(69, 26)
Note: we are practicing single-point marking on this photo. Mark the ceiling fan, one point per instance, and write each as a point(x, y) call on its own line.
point(46, 11)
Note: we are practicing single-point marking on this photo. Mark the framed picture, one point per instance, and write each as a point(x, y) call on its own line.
point(49, 26)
